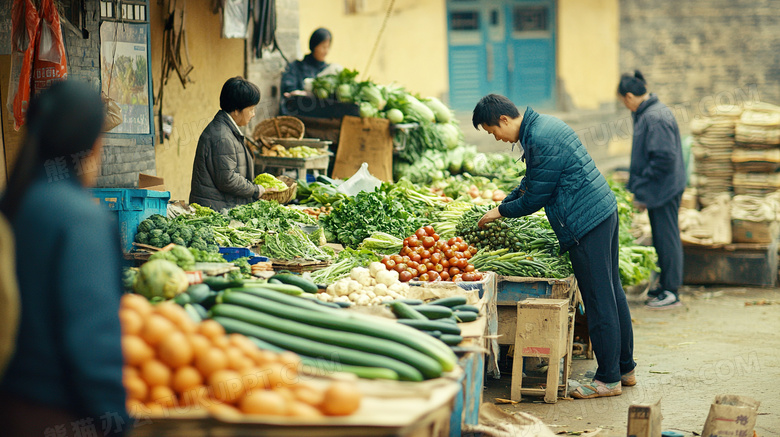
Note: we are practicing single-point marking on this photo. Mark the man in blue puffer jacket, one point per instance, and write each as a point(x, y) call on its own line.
point(562, 178)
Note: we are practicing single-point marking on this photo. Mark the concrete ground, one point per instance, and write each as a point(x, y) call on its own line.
point(714, 344)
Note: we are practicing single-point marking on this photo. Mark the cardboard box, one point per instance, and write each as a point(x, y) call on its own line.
point(644, 420)
point(743, 231)
point(149, 182)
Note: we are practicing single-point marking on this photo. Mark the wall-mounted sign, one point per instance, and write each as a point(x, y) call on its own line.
point(124, 73)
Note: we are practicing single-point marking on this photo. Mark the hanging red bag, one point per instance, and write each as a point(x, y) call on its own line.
point(50, 62)
point(24, 28)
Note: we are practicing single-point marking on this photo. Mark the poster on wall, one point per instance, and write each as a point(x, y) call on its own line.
point(124, 73)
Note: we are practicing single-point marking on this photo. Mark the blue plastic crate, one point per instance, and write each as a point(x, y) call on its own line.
point(512, 289)
point(132, 206)
point(258, 259)
point(233, 253)
point(310, 179)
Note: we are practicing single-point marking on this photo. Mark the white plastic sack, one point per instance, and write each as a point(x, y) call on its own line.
point(235, 16)
point(362, 180)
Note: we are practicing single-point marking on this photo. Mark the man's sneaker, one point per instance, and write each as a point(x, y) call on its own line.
point(664, 301)
point(628, 379)
point(597, 389)
point(653, 295)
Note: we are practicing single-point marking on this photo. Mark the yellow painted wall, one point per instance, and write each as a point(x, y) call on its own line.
point(588, 47)
point(215, 61)
point(413, 49)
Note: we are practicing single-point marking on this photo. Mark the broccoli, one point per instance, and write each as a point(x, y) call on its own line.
point(155, 233)
point(243, 265)
point(142, 237)
point(160, 222)
point(203, 256)
point(198, 243)
point(166, 255)
point(165, 239)
point(186, 233)
point(212, 248)
point(128, 278)
point(146, 226)
point(178, 241)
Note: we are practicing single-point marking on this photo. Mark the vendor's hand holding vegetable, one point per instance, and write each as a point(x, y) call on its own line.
point(489, 216)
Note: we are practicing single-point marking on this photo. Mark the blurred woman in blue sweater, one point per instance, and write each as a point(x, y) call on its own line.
point(65, 377)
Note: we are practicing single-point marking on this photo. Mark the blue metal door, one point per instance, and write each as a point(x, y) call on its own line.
point(531, 35)
point(488, 54)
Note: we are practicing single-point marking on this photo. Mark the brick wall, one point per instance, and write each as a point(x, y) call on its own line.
point(698, 52)
point(266, 72)
point(123, 157)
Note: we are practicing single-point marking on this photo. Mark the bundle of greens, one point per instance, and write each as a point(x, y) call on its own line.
point(346, 260)
point(355, 219)
point(265, 216)
point(382, 243)
point(533, 264)
point(293, 244)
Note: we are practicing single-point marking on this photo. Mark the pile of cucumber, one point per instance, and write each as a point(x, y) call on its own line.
point(438, 318)
point(332, 339)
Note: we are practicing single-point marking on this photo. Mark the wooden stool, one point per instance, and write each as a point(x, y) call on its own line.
point(543, 330)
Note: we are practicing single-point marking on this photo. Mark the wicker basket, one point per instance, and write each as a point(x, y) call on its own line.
point(279, 127)
point(285, 196)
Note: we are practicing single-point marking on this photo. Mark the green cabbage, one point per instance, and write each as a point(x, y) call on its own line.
point(160, 278)
point(269, 181)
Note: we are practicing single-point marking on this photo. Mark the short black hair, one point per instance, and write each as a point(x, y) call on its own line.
point(238, 93)
point(632, 83)
point(490, 109)
point(318, 37)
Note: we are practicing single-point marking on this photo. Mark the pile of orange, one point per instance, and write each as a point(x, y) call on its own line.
point(173, 365)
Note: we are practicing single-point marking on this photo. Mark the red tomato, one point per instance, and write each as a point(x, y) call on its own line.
point(390, 264)
point(435, 237)
point(477, 276)
point(473, 250)
point(445, 276)
point(434, 276)
point(412, 264)
point(453, 271)
point(429, 265)
point(438, 268)
point(462, 263)
point(458, 254)
point(441, 244)
point(397, 258)
point(449, 253)
point(416, 257)
point(406, 250)
point(468, 276)
point(425, 253)
point(459, 239)
point(406, 241)
point(429, 230)
point(405, 276)
point(444, 263)
point(469, 268)
point(457, 278)
point(414, 241)
point(436, 258)
point(428, 242)
point(421, 233)
point(413, 272)
point(424, 277)
point(463, 247)
point(452, 241)
point(405, 259)
point(453, 262)
point(422, 268)
point(400, 267)
point(467, 255)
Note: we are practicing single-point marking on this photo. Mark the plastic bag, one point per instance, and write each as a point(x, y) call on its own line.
point(24, 25)
point(362, 180)
point(235, 16)
point(50, 62)
point(113, 113)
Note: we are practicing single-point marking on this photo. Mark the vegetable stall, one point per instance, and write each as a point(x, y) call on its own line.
point(339, 292)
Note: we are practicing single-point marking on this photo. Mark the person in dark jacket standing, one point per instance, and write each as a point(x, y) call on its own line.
point(657, 179)
point(65, 375)
point(224, 170)
point(562, 178)
point(310, 66)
